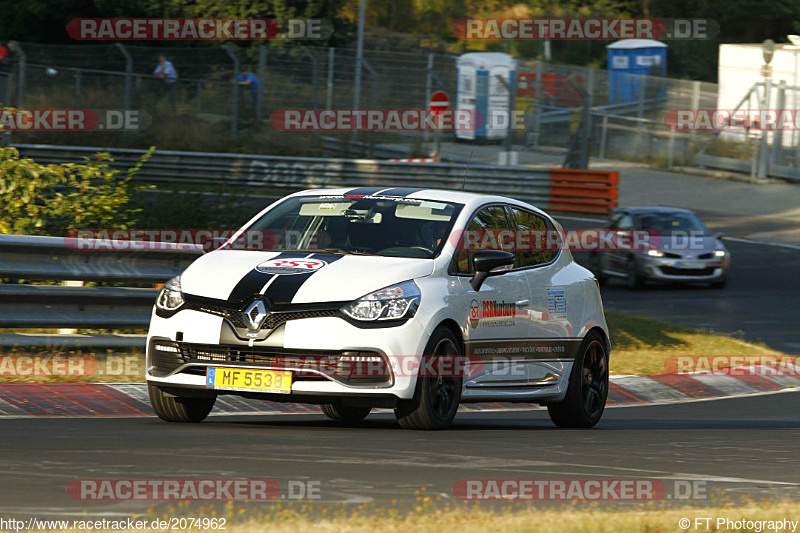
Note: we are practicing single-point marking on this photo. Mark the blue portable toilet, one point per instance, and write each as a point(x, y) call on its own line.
point(629, 59)
point(481, 91)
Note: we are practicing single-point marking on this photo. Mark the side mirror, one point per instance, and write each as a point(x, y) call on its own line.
point(484, 262)
point(719, 235)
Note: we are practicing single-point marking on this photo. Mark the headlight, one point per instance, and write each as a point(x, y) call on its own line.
point(719, 253)
point(655, 253)
point(389, 303)
point(170, 297)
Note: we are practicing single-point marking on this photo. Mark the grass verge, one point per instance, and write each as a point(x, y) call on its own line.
point(643, 345)
point(733, 517)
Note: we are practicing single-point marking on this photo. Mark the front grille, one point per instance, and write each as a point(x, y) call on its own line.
point(672, 271)
point(305, 364)
point(709, 255)
point(237, 318)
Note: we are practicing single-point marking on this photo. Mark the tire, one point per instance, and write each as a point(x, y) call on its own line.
point(597, 269)
point(720, 284)
point(572, 411)
point(436, 398)
point(176, 409)
point(345, 413)
point(635, 280)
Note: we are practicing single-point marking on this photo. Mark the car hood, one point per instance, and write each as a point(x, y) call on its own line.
point(690, 246)
point(232, 275)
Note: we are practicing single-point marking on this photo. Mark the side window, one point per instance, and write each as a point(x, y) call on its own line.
point(625, 223)
point(483, 233)
point(531, 243)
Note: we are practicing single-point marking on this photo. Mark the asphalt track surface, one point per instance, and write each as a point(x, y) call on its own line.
point(760, 303)
point(742, 447)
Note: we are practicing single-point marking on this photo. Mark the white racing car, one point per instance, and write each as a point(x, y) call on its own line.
point(410, 299)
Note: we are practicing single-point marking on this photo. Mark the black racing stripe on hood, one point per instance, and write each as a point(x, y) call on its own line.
point(285, 287)
point(254, 281)
point(401, 191)
point(365, 191)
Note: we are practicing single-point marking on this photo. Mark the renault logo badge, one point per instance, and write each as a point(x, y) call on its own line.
point(255, 314)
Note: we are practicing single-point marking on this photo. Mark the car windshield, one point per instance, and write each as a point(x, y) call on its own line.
point(671, 223)
point(373, 225)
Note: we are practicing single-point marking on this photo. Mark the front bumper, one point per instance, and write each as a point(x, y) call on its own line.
point(311, 348)
point(675, 270)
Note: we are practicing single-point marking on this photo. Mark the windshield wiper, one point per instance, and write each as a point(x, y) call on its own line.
point(327, 251)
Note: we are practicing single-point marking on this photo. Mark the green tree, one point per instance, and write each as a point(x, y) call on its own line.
point(37, 199)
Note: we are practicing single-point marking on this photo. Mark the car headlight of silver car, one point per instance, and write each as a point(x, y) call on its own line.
point(170, 298)
point(720, 253)
point(390, 303)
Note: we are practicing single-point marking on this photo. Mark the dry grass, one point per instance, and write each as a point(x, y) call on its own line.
point(642, 345)
point(592, 519)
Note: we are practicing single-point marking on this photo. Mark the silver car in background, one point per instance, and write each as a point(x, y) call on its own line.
point(685, 252)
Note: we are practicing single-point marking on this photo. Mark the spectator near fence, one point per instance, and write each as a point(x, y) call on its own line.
point(167, 73)
point(250, 81)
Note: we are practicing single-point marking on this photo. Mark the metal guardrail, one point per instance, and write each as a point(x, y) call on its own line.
point(24, 257)
point(533, 185)
point(249, 170)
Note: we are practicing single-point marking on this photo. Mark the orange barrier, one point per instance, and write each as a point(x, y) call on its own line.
point(583, 191)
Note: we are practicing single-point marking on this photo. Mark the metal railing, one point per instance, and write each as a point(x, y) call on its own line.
point(22, 305)
point(294, 173)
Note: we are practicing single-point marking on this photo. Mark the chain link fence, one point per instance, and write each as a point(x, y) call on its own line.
point(206, 109)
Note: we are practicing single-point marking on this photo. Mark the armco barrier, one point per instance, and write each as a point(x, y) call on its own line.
point(583, 191)
point(55, 258)
point(542, 187)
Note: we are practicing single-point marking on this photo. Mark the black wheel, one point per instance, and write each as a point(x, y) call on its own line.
point(635, 279)
point(176, 409)
point(586, 396)
point(720, 284)
point(596, 266)
point(436, 397)
point(345, 413)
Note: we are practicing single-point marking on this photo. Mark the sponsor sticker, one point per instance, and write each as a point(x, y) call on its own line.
point(556, 303)
point(287, 267)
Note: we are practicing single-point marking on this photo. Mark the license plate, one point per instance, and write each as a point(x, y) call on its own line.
point(690, 264)
point(249, 379)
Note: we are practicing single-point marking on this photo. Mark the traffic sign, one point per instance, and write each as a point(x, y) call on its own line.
point(439, 102)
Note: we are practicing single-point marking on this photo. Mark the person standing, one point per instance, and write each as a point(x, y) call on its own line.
point(165, 71)
point(251, 82)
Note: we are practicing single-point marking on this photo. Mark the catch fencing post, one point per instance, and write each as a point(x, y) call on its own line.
point(235, 84)
point(329, 97)
point(263, 53)
point(428, 88)
point(314, 84)
point(537, 125)
point(21, 67)
point(128, 80)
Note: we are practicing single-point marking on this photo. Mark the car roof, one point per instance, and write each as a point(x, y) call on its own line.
point(469, 199)
point(639, 210)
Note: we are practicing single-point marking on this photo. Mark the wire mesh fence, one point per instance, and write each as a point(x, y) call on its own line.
point(207, 107)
